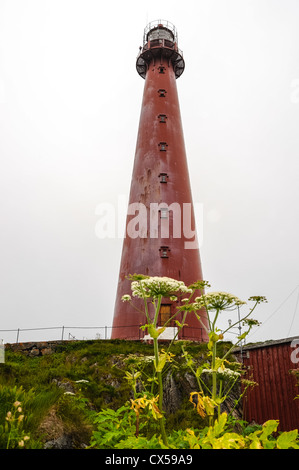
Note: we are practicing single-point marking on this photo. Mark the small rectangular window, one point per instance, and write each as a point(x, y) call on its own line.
point(164, 250)
point(162, 93)
point(162, 117)
point(163, 177)
point(161, 69)
point(163, 146)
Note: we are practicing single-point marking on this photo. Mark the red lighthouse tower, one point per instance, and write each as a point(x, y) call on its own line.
point(160, 238)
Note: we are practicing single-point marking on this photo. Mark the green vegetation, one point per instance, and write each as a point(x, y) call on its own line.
point(83, 390)
point(129, 394)
point(62, 393)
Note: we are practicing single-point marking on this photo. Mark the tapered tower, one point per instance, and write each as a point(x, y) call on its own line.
point(160, 237)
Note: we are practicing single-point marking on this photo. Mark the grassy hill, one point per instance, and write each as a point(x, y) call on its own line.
point(60, 393)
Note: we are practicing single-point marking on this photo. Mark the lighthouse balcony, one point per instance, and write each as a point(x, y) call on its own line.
point(157, 48)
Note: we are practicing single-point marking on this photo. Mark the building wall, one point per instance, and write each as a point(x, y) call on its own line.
point(271, 365)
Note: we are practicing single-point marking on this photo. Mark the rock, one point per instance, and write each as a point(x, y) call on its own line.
point(62, 442)
point(66, 386)
point(34, 352)
point(46, 351)
point(51, 426)
point(172, 396)
point(189, 382)
point(56, 435)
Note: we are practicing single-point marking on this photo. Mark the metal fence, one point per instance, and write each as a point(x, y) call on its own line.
point(57, 333)
point(76, 333)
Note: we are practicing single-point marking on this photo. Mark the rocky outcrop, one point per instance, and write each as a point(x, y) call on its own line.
point(33, 349)
point(56, 434)
point(177, 388)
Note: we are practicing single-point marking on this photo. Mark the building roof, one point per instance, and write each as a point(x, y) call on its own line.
point(267, 343)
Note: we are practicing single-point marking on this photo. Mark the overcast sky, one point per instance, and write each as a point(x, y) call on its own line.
point(70, 100)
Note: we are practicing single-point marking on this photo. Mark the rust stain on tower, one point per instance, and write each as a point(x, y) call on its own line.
point(160, 237)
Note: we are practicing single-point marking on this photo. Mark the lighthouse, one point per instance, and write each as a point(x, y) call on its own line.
point(160, 234)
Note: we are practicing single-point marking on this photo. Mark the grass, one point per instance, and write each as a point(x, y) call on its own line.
point(64, 390)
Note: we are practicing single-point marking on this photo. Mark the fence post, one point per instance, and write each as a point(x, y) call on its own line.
point(62, 333)
point(18, 332)
point(105, 332)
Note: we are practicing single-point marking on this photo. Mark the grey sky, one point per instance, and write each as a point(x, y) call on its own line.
point(70, 101)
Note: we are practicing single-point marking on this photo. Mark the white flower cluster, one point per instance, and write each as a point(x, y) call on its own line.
point(217, 301)
point(148, 358)
point(152, 287)
point(223, 372)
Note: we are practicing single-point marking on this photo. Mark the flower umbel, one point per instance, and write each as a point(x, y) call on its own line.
point(258, 299)
point(153, 287)
point(223, 373)
point(217, 301)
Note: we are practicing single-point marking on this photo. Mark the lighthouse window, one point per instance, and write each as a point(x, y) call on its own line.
point(164, 251)
point(163, 177)
point(162, 117)
point(162, 92)
point(161, 69)
point(163, 146)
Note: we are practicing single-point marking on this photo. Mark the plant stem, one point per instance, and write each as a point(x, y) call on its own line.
point(214, 372)
point(159, 373)
point(194, 373)
point(160, 384)
point(179, 329)
point(239, 321)
point(146, 311)
point(219, 396)
point(239, 399)
point(214, 378)
point(157, 310)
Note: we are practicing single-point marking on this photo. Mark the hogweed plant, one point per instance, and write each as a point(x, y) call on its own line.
point(223, 376)
point(153, 289)
point(222, 373)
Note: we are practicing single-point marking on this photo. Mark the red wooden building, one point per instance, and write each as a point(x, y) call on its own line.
point(272, 364)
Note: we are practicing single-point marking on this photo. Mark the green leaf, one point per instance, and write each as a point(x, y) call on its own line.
point(269, 427)
point(213, 336)
point(269, 444)
point(161, 363)
point(287, 440)
point(219, 400)
point(180, 325)
point(190, 362)
point(243, 335)
point(231, 440)
point(220, 424)
point(155, 333)
point(136, 277)
point(255, 443)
